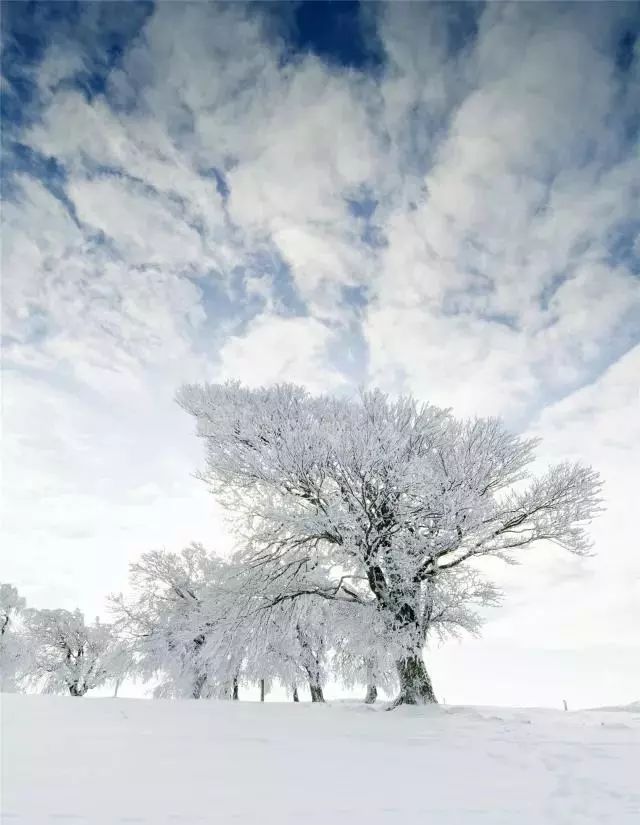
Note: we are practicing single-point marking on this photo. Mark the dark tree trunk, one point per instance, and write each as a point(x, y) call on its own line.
point(316, 692)
point(201, 680)
point(198, 686)
point(295, 695)
point(235, 694)
point(415, 684)
point(262, 690)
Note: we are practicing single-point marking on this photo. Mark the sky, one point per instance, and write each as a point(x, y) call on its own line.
point(435, 199)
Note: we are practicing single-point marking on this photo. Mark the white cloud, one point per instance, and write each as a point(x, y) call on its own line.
point(314, 146)
point(70, 306)
point(474, 366)
point(276, 349)
point(27, 257)
point(323, 262)
point(499, 263)
point(145, 231)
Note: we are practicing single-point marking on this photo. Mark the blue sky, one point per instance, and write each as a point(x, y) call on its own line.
point(439, 199)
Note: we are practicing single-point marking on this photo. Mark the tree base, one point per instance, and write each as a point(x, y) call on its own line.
point(415, 684)
point(198, 686)
point(409, 700)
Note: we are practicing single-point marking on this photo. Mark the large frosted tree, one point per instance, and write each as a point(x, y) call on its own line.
point(375, 500)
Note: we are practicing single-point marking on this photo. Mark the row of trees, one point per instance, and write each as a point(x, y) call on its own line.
point(197, 626)
point(55, 650)
point(361, 527)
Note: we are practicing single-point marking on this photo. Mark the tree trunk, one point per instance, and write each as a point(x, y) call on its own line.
point(372, 690)
point(295, 694)
point(415, 684)
point(116, 688)
point(311, 664)
point(198, 686)
point(236, 694)
point(262, 690)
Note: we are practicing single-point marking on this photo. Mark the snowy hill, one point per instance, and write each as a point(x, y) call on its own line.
point(632, 707)
point(89, 762)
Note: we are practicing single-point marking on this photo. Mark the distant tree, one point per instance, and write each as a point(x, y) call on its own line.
point(244, 642)
point(254, 637)
point(67, 655)
point(121, 662)
point(361, 651)
point(13, 652)
point(373, 500)
point(164, 622)
point(301, 640)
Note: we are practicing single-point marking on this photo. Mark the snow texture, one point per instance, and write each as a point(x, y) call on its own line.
point(68, 761)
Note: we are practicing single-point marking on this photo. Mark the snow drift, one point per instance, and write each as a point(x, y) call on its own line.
point(88, 762)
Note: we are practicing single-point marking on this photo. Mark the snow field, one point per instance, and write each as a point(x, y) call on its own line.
point(69, 761)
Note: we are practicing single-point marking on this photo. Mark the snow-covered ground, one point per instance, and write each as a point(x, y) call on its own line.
point(632, 707)
point(72, 761)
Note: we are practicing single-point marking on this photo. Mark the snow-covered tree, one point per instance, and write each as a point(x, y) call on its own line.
point(164, 623)
point(67, 655)
point(254, 638)
point(374, 500)
point(290, 642)
point(12, 647)
point(121, 662)
point(363, 651)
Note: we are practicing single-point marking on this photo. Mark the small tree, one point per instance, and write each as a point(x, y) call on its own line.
point(383, 497)
point(121, 662)
point(362, 654)
point(13, 653)
point(164, 622)
point(253, 635)
point(67, 655)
